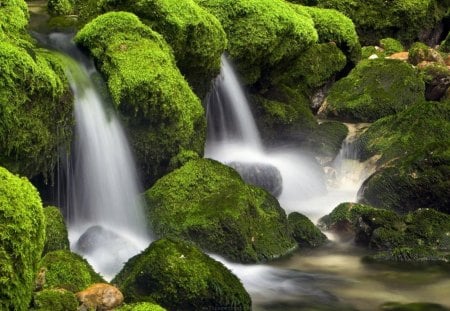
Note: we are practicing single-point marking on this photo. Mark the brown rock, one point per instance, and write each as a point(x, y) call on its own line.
point(400, 56)
point(100, 296)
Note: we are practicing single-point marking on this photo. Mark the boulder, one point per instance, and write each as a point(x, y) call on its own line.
point(141, 306)
point(178, 276)
point(57, 299)
point(100, 296)
point(263, 175)
point(305, 232)
point(56, 236)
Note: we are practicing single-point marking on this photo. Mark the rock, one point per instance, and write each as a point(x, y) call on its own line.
point(326, 141)
point(391, 46)
point(420, 52)
point(207, 202)
point(178, 276)
point(263, 175)
point(403, 56)
point(141, 306)
point(56, 236)
point(305, 232)
point(100, 296)
point(57, 299)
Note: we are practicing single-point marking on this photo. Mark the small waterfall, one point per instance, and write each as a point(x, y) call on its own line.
point(105, 215)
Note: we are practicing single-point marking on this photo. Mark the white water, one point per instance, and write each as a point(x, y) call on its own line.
point(105, 192)
point(308, 188)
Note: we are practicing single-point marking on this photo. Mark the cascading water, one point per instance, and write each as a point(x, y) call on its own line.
point(106, 218)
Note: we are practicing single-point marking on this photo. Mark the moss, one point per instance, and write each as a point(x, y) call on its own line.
point(141, 306)
point(445, 45)
point(160, 110)
point(36, 110)
point(13, 21)
point(67, 270)
point(374, 89)
point(208, 203)
point(305, 232)
point(407, 255)
point(261, 33)
point(437, 81)
point(326, 140)
point(343, 213)
point(55, 300)
point(178, 276)
point(56, 237)
point(367, 51)
point(420, 52)
point(22, 235)
point(181, 158)
point(60, 7)
point(391, 46)
point(404, 20)
point(415, 306)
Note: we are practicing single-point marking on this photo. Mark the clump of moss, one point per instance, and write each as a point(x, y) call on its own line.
point(55, 300)
point(56, 237)
point(141, 306)
point(60, 7)
point(177, 275)
point(326, 140)
point(420, 52)
point(437, 81)
point(403, 20)
point(22, 235)
point(36, 111)
point(391, 46)
point(374, 89)
point(208, 203)
point(304, 231)
point(67, 270)
point(13, 21)
point(161, 112)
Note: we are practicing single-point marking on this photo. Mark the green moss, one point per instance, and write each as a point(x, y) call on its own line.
point(304, 231)
point(22, 235)
point(391, 46)
point(160, 110)
point(181, 158)
point(326, 140)
point(261, 33)
point(437, 81)
point(13, 21)
point(178, 276)
point(55, 300)
point(67, 270)
point(60, 7)
point(374, 89)
point(208, 203)
point(36, 110)
point(343, 213)
point(367, 51)
point(415, 306)
point(445, 45)
point(419, 52)
point(404, 20)
point(408, 255)
point(56, 237)
point(141, 306)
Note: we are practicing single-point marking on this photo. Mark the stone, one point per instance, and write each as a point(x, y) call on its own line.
point(100, 296)
point(400, 56)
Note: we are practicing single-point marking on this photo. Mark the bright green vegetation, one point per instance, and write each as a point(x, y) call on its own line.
point(391, 46)
point(56, 237)
point(405, 20)
point(178, 276)
point(22, 235)
point(414, 148)
point(13, 21)
point(419, 52)
point(415, 306)
point(304, 231)
point(60, 7)
point(36, 110)
point(208, 203)
point(326, 140)
point(141, 306)
point(67, 270)
point(419, 236)
point(261, 33)
point(161, 112)
point(445, 45)
point(374, 89)
point(55, 300)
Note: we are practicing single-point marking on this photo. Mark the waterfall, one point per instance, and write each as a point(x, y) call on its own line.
point(105, 215)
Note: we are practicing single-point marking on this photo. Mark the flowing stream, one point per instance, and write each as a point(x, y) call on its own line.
point(105, 216)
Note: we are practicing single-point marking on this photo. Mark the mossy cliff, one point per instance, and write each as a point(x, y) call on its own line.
point(178, 276)
point(22, 236)
point(162, 114)
point(208, 203)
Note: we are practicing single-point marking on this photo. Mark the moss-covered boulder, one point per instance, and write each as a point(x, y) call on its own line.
point(57, 299)
point(420, 52)
point(36, 110)
point(13, 22)
point(22, 235)
point(409, 255)
point(141, 306)
point(178, 276)
point(415, 159)
point(162, 114)
point(326, 141)
point(374, 89)
point(305, 232)
point(391, 46)
point(56, 236)
point(60, 7)
point(67, 270)
point(405, 20)
point(208, 203)
point(437, 81)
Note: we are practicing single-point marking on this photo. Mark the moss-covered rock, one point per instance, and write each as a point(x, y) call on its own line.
point(208, 203)
point(13, 21)
point(437, 81)
point(391, 46)
point(56, 237)
point(60, 7)
point(161, 112)
point(413, 254)
point(374, 89)
point(415, 159)
point(36, 110)
point(55, 299)
point(22, 235)
point(178, 276)
point(67, 270)
point(404, 20)
point(326, 140)
point(305, 232)
point(415, 306)
point(420, 52)
point(141, 306)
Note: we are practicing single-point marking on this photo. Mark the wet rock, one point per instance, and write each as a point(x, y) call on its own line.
point(100, 296)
